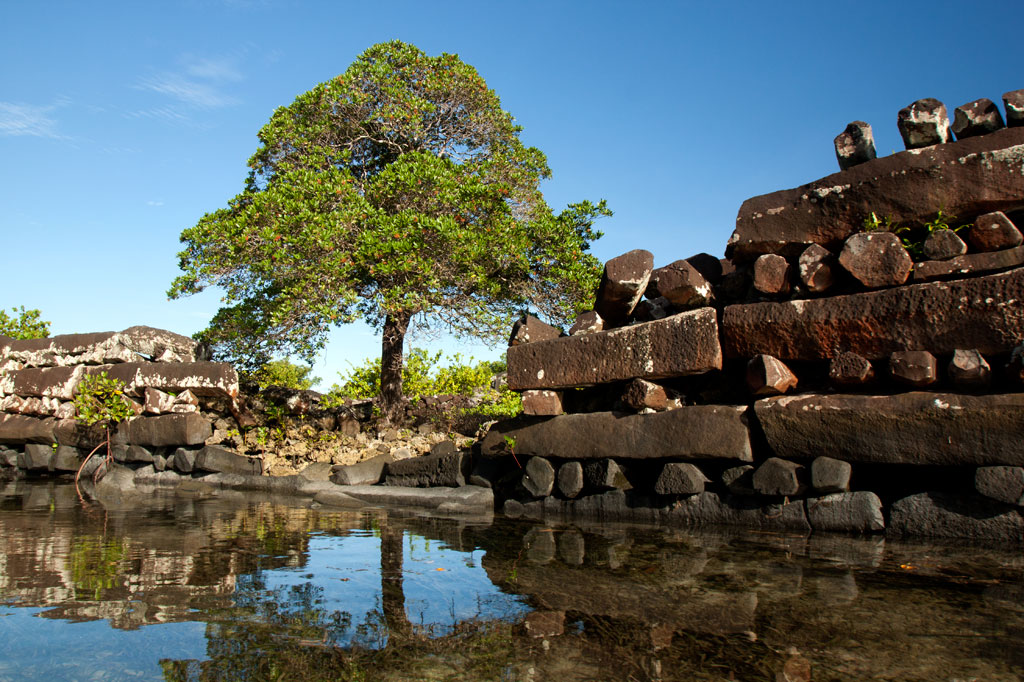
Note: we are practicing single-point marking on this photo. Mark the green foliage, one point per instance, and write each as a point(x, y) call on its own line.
point(399, 188)
point(875, 224)
point(286, 373)
point(100, 399)
point(426, 374)
point(25, 324)
point(912, 237)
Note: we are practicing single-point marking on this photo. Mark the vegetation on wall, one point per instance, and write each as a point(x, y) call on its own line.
point(23, 324)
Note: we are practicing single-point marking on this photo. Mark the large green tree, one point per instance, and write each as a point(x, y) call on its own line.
point(398, 191)
point(23, 324)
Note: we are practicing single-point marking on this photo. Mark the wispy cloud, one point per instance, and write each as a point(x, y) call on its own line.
point(154, 203)
point(200, 84)
point(29, 119)
point(190, 92)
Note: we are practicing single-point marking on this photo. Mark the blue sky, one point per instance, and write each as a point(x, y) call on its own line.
point(123, 123)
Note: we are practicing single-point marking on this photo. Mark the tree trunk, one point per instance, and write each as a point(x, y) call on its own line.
point(391, 362)
point(391, 581)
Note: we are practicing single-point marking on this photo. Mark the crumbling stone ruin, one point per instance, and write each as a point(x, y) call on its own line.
point(854, 364)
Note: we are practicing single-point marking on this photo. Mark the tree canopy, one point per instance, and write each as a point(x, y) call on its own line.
point(23, 324)
point(398, 189)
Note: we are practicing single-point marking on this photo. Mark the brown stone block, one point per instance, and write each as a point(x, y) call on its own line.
point(979, 117)
point(815, 266)
point(1014, 103)
point(850, 369)
point(624, 281)
point(983, 313)
point(16, 429)
point(924, 123)
point(917, 368)
point(966, 178)
point(682, 284)
point(769, 376)
point(923, 428)
point(969, 369)
point(971, 263)
point(690, 432)
point(542, 403)
point(50, 382)
point(876, 259)
point(992, 232)
point(586, 323)
point(771, 275)
point(202, 378)
point(678, 345)
point(168, 430)
point(528, 329)
point(943, 245)
point(855, 145)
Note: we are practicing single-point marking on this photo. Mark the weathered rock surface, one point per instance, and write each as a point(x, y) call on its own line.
point(1005, 484)
point(36, 457)
point(859, 512)
point(604, 474)
point(938, 316)
point(202, 378)
point(769, 376)
point(16, 428)
point(542, 403)
point(830, 475)
point(539, 477)
point(98, 348)
point(690, 432)
point(216, 459)
point(679, 345)
point(739, 480)
point(979, 117)
point(971, 263)
point(586, 323)
point(955, 516)
point(855, 145)
point(771, 275)
point(993, 232)
point(681, 284)
point(815, 267)
point(622, 285)
point(680, 478)
point(778, 476)
point(924, 123)
point(167, 430)
point(907, 428)
point(969, 369)
point(876, 259)
point(570, 479)
point(966, 178)
point(943, 245)
point(641, 394)
point(435, 469)
point(1014, 103)
point(528, 329)
point(916, 368)
point(367, 472)
point(467, 499)
point(850, 369)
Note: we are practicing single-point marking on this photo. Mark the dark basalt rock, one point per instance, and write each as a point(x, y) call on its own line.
point(855, 145)
point(955, 516)
point(941, 429)
point(624, 281)
point(979, 117)
point(679, 345)
point(924, 123)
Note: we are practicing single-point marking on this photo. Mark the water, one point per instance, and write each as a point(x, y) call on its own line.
point(224, 587)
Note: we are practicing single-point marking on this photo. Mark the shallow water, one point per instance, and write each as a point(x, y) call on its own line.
point(224, 587)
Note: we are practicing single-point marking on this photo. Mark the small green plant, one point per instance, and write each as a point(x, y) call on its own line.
point(510, 445)
point(100, 400)
point(875, 224)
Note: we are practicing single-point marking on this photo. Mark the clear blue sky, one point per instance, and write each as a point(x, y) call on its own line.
point(121, 123)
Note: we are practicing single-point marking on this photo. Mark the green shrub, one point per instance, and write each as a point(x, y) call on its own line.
point(425, 375)
point(100, 399)
point(24, 325)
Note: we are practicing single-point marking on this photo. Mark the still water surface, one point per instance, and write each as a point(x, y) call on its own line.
point(224, 587)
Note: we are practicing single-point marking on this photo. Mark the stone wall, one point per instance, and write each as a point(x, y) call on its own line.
point(175, 393)
point(854, 364)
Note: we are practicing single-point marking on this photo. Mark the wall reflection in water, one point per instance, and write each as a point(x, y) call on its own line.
point(285, 592)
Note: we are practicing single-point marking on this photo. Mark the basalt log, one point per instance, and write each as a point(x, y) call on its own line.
point(908, 428)
point(678, 345)
point(965, 178)
point(691, 432)
point(981, 313)
point(132, 344)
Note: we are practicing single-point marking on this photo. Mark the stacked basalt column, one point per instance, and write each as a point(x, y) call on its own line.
point(175, 395)
point(854, 364)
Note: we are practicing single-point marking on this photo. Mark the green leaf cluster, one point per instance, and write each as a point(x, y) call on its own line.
point(283, 372)
point(100, 399)
point(399, 188)
point(23, 324)
point(427, 374)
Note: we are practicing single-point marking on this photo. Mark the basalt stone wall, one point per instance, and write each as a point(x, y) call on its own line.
point(176, 396)
point(854, 364)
